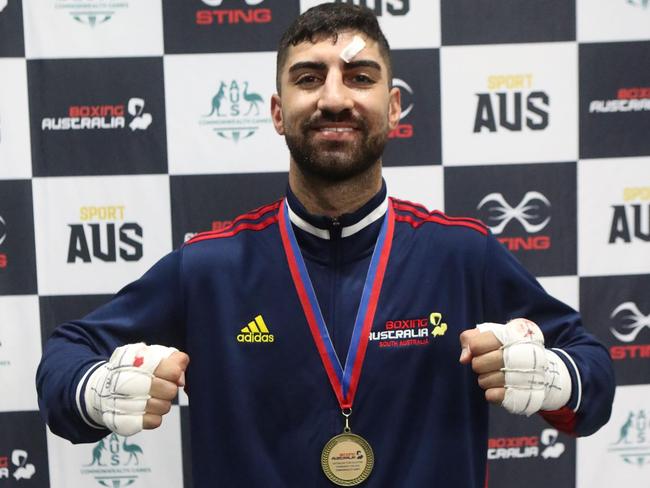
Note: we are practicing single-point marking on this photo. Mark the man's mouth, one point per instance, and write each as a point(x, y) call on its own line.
point(335, 129)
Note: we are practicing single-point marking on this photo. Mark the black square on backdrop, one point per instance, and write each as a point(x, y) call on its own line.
point(616, 310)
point(58, 309)
point(17, 249)
point(530, 208)
point(529, 450)
point(12, 40)
point(208, 202)
point(417, 138)
point(614, 94)
point(97, 116)
point(23, 450)
point(206, 26)
point(507, 21)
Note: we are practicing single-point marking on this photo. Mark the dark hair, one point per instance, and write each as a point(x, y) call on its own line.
point(328, 20)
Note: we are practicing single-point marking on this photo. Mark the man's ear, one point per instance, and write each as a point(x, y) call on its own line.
point(276, 114)
point(394, 107)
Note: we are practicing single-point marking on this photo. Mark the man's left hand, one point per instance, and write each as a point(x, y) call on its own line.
point(484, 351)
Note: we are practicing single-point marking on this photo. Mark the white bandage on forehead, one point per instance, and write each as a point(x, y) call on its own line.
point(535, 378)
point(355, 46)
point(117, 392)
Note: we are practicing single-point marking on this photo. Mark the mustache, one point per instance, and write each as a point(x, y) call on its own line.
point(345, 116)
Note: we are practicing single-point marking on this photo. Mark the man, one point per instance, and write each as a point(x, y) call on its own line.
point(306, 395)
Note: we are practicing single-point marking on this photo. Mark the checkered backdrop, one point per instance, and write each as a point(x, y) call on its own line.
point(126, 126)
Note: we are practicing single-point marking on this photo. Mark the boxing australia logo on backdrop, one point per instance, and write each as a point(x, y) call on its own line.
point(16, 466)
point(97, 116)
point(526, 209)
point(614, 102)
point(101, 117)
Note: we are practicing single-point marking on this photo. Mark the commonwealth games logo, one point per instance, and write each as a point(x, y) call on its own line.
point(633, 443)
point(91, 12)
point(234, 111)
point(115, 462)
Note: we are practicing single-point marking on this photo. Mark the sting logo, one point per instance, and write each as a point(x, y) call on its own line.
point(630, 322)
point(531, 213)
point(233, 16)
point(633, 321)
point(403, 130)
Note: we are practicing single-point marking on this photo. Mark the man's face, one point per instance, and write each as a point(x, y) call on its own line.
point(335, 115)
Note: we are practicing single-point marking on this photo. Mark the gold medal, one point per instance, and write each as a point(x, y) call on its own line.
point(347, 459)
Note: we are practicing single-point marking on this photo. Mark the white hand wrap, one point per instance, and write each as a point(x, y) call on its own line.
point(535, 377)
point(116, 393)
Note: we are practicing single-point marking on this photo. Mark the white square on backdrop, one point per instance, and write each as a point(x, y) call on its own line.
point(96, 234)
point(88, 28)
point(537, 84)
point(406, 25)
point(612, 20)
point(564, 288)
point(613, 216)
point(149, 459)
point(619, 453)
point(219, 114)
point(20, 352)
point(419, 184)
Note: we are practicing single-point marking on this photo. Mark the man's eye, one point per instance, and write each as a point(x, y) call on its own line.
point(307, 80)
point(363, 79)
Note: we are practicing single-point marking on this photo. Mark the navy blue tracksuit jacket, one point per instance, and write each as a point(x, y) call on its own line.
point(262, 407)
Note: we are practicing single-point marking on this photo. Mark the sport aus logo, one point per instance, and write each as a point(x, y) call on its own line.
point(503, 106)
point(532, 213)
point(391, 7)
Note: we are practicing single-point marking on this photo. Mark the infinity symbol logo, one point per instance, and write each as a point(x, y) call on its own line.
point(632, 321)
point(526, 213)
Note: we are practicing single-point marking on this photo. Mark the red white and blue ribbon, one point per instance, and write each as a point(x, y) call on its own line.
point(344, 380)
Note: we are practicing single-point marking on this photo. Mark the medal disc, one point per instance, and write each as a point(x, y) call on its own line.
point(347, 459)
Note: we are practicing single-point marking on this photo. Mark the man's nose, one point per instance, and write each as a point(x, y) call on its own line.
point(335, 95)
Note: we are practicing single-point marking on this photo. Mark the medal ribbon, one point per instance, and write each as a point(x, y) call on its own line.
point(344, 381)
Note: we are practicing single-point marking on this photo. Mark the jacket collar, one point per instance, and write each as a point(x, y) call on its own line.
point(344, 226)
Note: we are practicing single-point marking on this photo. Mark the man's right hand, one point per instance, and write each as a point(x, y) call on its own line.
point(167, 377)
point(135, 387)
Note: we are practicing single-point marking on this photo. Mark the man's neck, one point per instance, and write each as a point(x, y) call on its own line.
point(332, 199)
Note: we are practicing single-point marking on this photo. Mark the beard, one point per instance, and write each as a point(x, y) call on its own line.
point(335, 161)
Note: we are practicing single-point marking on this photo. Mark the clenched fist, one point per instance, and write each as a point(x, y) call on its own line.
point(484, 351)
point(134, 389)
point(167, 377)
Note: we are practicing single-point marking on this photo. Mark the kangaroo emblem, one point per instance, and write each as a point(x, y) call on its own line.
point(625, 430)
point(216, 100)
point(97, 453)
